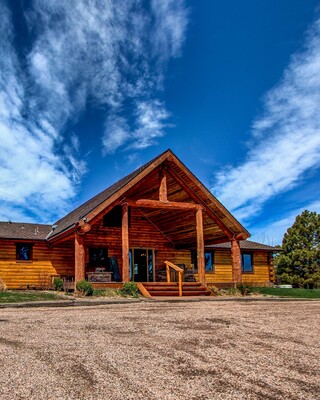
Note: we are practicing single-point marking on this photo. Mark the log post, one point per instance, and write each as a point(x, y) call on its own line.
point(200, 248)
point(163, 196)
point(80, 257)
point(236, 261)
point(125, 243)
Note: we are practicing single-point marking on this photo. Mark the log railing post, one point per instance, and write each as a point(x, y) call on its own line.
point(80, 257)
point(236, 261)
point(125, 243)
point(200, 248)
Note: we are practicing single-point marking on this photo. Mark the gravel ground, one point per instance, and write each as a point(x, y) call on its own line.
point(150, 350)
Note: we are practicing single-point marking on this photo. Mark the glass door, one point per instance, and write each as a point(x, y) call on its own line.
point(141, 265)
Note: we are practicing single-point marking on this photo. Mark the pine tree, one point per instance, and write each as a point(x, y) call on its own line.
point(299, 261)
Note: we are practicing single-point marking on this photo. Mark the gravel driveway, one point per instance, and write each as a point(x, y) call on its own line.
point(150, 350)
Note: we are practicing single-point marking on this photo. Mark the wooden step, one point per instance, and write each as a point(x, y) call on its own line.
point(155, 289)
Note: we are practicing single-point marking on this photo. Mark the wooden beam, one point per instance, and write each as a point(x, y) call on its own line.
point(167, 205)
point(80, 257)
point(227, 231)
point(236, 261)
point(125, 243)
point(196, 198)
point(200, 248)
point(163, 193)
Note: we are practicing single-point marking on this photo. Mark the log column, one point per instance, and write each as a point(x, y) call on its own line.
point(125, 243)
point(200, 248)
point(236, 261)
point(80, 257)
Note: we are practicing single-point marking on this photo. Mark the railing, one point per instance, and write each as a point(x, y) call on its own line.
point(180, 272)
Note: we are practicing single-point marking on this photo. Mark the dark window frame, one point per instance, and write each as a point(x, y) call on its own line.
point(19, 247)
point(247, 253)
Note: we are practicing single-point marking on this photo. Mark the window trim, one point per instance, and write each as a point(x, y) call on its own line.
point(23, 260)
point(252, 262)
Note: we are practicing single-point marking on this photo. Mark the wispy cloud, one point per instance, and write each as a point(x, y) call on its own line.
point(105, 54)
point(285, 141)
point(271, 232)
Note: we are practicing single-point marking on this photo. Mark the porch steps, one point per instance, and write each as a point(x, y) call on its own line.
point(155, 289)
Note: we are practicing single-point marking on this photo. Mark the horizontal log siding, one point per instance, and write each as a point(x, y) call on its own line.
point(38, 273)
point(260, 275)
point(223, 269)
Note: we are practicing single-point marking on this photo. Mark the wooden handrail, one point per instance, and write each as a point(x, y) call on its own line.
point(180, 272)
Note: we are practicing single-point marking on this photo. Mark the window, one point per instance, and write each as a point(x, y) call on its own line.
point(208, 260)
point(247, 262)
point(113, 219)
point(98, 257)
point(24, 251)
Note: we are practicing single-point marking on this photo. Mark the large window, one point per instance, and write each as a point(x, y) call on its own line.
point(247, 262)
point(24, 251)
point(208, 260)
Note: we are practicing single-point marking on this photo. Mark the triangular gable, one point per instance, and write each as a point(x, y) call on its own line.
point(94, 208)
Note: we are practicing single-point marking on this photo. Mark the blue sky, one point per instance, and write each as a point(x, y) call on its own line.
point(91, 90)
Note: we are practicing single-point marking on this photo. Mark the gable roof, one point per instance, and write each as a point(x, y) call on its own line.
point(98, 203)
point(23, 231)
point(246, 245)
point(96, 206)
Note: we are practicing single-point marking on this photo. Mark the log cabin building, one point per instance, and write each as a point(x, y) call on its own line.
point(157, 224)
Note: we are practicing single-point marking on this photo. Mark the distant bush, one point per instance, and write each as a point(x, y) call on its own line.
point(3, 286)
point(129, 289)
point(84, 288)
point(58, 284)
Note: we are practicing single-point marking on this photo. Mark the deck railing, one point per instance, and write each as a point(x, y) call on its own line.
point(180, 272)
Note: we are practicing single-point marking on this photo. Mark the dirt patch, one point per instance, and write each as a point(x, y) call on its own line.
point(204, 350)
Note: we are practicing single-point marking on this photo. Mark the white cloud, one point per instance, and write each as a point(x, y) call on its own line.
point(102, 53)
point(286, 139)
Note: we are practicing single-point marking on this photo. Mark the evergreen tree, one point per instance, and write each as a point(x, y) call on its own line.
point(299, 261)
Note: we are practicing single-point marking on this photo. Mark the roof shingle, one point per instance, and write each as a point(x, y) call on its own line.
point(23, 231)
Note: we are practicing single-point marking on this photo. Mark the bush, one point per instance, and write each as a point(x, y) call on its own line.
point(3, 286)
point(130, 289)
point(244, 289)
point(84, 288)
point(58, 284)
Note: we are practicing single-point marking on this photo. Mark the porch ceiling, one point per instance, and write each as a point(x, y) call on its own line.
point(177, 225)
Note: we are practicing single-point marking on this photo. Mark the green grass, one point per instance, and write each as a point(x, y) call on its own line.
point(17, 296)
point(298, 293)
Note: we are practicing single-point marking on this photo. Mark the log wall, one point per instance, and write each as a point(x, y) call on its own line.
point(38, 273)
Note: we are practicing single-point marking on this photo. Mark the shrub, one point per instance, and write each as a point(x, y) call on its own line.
point(58, 284)
point(84, 288)
point(130, 289)
point(3, 286)
point(244, 289)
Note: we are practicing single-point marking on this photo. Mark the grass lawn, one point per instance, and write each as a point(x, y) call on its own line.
point(298, 293)
point(17, 296)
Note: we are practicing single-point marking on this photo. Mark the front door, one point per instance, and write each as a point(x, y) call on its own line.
point(142, 265)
